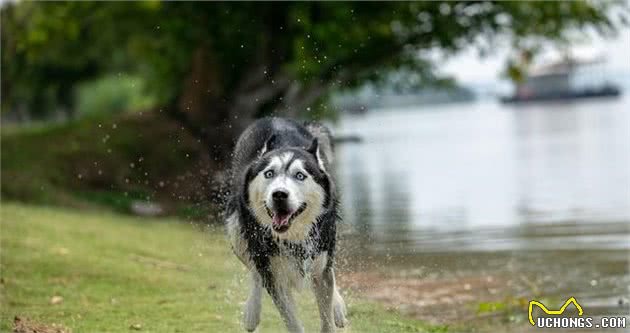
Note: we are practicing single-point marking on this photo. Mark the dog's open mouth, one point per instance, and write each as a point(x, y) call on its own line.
point(282, 221)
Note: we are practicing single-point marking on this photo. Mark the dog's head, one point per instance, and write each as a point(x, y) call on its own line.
point(287, 189)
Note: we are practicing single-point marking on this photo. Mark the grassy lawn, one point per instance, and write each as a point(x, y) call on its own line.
point(102, 272)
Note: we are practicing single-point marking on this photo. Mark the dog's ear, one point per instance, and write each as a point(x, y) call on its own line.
point(314, 149)
point(269, 145)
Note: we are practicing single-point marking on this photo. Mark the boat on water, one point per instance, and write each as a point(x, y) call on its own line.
point(565, 80)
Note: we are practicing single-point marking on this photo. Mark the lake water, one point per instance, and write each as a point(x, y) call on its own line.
point(534, 198)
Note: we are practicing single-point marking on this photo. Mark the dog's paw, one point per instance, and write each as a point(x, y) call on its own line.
point(251, 317)
point(340, 317)
point(250, 321)
point(339, 311)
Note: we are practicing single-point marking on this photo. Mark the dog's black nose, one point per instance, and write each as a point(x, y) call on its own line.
point(280, 195)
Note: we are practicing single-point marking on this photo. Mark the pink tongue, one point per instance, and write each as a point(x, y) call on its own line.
point(280, 220)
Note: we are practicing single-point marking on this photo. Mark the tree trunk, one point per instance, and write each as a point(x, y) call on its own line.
point(216, 117)
point(203, 110)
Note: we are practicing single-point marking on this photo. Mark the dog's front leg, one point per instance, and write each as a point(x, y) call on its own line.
point(324, 287)
point(339, 308)
point(282, 298)
point(251, 315)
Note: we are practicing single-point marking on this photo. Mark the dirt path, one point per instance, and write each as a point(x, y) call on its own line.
point(438, 301)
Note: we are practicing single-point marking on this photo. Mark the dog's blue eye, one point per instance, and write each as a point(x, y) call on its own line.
point(300, 176)
point(268, 173)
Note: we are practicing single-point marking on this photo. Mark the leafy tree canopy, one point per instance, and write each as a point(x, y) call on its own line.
point(213, 62)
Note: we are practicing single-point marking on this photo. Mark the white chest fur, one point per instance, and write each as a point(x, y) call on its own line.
point(288, 269)
point(239, 245)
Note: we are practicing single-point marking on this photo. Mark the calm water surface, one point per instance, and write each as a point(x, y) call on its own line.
point(538, 192)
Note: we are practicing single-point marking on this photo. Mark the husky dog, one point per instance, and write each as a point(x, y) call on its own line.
point(281, 218)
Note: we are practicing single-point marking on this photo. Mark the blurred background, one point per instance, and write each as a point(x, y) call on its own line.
point(483, 148)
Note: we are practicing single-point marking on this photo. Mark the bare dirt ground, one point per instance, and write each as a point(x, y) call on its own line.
point(465, 303)
point(438, 301)
point(25, 325)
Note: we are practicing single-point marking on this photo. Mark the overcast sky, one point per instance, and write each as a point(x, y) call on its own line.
point(468, 67)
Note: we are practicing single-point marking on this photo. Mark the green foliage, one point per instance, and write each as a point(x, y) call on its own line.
point(113, 94)
point(102, 161)
point(116, 200)
point(196, 211)
point(485, 307)
point(49, 47)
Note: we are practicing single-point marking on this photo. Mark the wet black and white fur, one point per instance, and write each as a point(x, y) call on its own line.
point(281, 218)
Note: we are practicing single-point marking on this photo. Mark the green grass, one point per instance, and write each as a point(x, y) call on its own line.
point(115, 271)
